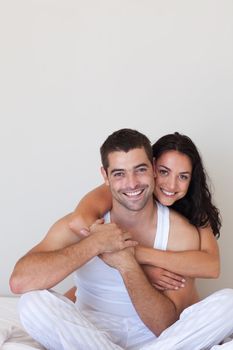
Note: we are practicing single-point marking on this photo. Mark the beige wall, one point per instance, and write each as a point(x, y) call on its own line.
point(74, 71)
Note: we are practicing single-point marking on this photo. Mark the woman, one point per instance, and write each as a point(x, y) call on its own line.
point(180, 183)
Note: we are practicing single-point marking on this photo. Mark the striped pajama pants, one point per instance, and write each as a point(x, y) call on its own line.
point(57, 323)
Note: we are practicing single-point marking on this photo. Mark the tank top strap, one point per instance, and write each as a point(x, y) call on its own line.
point(163, 224)
point(107, 218)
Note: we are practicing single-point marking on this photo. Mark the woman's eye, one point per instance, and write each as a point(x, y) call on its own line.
point(163, 172)
point(184, 177)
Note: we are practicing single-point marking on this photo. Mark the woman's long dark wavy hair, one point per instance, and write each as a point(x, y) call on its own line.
point(197, 205)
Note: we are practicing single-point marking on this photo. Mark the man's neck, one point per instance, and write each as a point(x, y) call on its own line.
point(137, 222)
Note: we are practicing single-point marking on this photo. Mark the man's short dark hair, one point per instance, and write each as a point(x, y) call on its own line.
point(124, 140)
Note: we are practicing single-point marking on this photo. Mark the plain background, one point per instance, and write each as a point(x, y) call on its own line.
point(74, 71)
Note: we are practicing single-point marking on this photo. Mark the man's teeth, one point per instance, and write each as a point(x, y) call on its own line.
point(168, 193)
point(132, 194)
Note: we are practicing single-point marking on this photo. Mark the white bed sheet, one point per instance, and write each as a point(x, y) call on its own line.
point(12, 334)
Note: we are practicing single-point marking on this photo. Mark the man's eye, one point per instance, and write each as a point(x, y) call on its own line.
point(141, 170)
point(118, 174)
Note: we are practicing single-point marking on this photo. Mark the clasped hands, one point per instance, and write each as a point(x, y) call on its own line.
point(119, 250)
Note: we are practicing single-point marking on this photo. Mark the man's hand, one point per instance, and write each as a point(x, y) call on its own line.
point(110, 238)
point(163, 279)
point(124, 258)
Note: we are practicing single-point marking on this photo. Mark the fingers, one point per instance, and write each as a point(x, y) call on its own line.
point(98, 222)
point(126, 236)
point(127, 240)
point(110, 237)
point(163, 279)
point(169, 283)
point(85, 232)
point(157, 286)
point(174, 276)
point(129, 243)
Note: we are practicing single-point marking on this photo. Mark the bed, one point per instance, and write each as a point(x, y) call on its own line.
point(12, 334)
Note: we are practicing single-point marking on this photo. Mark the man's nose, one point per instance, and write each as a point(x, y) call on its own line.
point(132, 180)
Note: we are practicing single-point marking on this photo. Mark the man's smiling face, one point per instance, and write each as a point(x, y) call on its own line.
point(130, 177)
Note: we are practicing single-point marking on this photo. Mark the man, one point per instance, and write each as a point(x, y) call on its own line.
point(117, 306)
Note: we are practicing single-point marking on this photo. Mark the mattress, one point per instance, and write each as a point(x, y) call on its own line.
point(12, 334)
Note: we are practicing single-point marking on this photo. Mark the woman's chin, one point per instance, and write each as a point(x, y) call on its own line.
point(167, 201)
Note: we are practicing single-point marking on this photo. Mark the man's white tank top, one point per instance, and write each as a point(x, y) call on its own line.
point(101, 288)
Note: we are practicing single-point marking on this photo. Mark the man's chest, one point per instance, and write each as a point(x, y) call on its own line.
point(145, 236)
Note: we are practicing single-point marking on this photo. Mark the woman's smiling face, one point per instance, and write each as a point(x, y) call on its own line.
point(173, 171)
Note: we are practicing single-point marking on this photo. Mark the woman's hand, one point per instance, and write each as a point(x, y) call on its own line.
point(78, 226)
point(162, 279)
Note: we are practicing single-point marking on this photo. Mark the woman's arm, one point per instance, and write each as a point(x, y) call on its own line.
point(204, 263)
point(90, 208)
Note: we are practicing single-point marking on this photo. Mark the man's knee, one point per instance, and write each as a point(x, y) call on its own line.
point(32, 303)
point(220, 303)
point(226, 296)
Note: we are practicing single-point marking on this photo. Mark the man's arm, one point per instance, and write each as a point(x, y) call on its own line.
point(60, 253)
point(156, 309)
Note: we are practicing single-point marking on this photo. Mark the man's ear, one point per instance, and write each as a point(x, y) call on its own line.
point(105, 176)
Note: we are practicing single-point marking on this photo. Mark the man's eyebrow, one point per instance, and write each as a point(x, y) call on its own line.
point(122, 169)
point(141, 165)
point(116, 170)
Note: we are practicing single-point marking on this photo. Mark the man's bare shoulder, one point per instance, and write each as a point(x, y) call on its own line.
point(182, 234)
